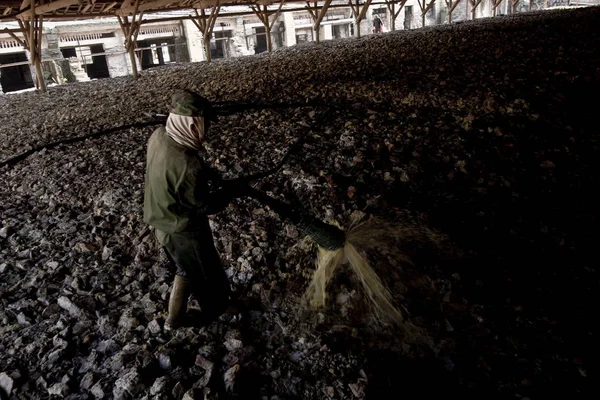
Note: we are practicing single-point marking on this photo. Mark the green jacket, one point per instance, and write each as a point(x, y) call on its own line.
point(177, 197)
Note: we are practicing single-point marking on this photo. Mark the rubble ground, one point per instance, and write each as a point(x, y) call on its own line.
point(483, 134)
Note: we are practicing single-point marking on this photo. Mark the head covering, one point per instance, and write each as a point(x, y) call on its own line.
point(179, 128)
point(190, 104)
point(188, 109)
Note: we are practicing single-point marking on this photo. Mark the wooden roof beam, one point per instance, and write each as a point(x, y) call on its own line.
point(47, 8)
point(9, 31)
point(55, 5)
point(10, 3)
point(149, 6)
point(208, 4)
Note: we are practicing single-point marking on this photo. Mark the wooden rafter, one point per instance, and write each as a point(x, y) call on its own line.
point(425, 7)
point(474, 5)
point(9, 31)
point(391, 5)
point(514, 4)
point(311, 10)
point(264, 17)
point(15, 37)
point(131, 30)
point(31, 29)
point(495, 5)
point(359, 11)
point(151, 5)
point(317, 15)
point(110, 6)
point(205, 25)
point(46, 8)
point(452, 4)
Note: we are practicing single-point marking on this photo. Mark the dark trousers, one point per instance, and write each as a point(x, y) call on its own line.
point(194, 256)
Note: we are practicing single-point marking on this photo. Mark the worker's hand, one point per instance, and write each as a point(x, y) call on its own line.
point(235, 187)
point(243, 190)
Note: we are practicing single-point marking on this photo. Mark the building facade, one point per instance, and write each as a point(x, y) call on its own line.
point(83, 50)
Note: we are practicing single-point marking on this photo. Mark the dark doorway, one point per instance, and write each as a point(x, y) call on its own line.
point(95, 66)
point(219, 46)
point(408, 17)
point(302, 38)
point(157, 52)
point(340, 31)
point(261, 40)
point(17, 77)
point(98, 68)
point(68, 52)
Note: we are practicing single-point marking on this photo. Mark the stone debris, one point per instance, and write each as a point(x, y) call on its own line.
point(6, 383)
point(230, 377)
point(480, 129)
point(127, 386)
point(59, 389)
point(66, 304)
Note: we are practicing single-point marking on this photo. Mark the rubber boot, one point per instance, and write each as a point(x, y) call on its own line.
point(178, 302)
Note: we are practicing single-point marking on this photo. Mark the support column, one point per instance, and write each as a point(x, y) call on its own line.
point(317, 16)
point(474, 5)
point(32, 42)
point(513, 6)
point(264, 16)
point(391, 5)
point(425, 8)
point(495, 5)
point(452, 4)
point(130, 31)
point(359, 11)
point(205, 24)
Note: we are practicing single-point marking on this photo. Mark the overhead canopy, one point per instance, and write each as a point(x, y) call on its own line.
point(74, 9)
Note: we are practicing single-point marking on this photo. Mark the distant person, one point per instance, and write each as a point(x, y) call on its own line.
point(377, 25)
point(177, 202)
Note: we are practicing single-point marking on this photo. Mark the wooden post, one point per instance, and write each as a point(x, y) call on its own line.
point(206, 25)
point(391, 5)
point(37, 43)
point(514, 5)
point(495, 5)
point(206, 33)
point(425, 8)
point(392, 8)
point(317, 16)
point(264, 17)
point(32, 41)
point(357, 20)
point(452, 4)
point(314, 13)
point(474, 5)
point(268, 31)
point(32, 46)
point(131, 31)
point(359, 11)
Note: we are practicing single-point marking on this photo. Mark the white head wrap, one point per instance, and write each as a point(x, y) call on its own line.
point(179, 128)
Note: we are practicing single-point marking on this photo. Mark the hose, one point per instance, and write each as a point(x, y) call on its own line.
point(325, 235)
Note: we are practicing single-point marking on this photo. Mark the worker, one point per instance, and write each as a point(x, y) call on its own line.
point(177, 202)
point(377, 25)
